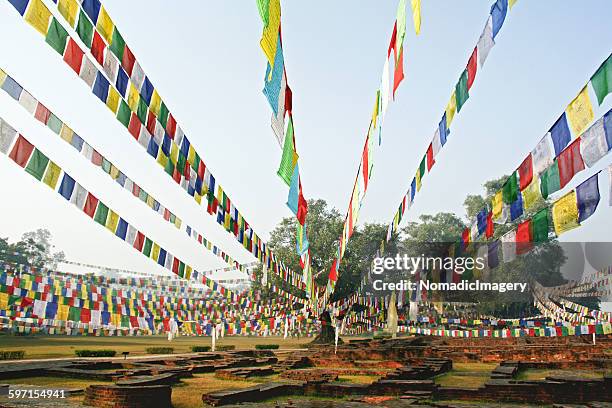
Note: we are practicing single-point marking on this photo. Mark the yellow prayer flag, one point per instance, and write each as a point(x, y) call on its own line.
point(451, 108)
point(112, 100)
point(38, 16)
point(375, 111)
point(66, 133)
point(69, 10)
point(116, 319)
point(133, 98)
point(162, 159)
point(155, 251)
point(2, 77)
point(511, 3)
point(52, 175)
point(531, 193)
point(155, 103)
point(191, 154)
point(497, 205)
point(105, 26)
point(198, 198)
point(114, 172)
point(177, 222)
point(4, 297)
point(580, 112)
point(150, 200)
point(188, 270)
point(174, 152)
point(416, 15)
point(418, 180)
point(62, 312)
point(112, 221)
point(269, 37)
point(565, 213)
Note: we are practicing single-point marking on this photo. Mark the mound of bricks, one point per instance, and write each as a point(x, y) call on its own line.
point(114, 396)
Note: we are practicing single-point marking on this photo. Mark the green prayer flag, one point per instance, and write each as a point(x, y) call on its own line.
point(169, 167)
point(146, 250)
point(55, 124)
point(125, 321)
point(549, 180)
point(118, 45)
point(287, 164)
point(101, 213)
point(57, 36)
point(142, 195)
point(142, 110)
point(181, 270)
point(124, 113)
point(74, 314)
point(106, 165)
point(196, 162)
point(422, 167)
point(510, 189)
point(37, 164)
point(264, 11)
point(461, 90)
point(163, 115)
point(180, 165)
point(85, 29)
point(602, 80)
point(539, 223)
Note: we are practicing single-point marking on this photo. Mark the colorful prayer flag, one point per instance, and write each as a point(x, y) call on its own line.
point(565, 213)
point(580, 112)
point(587, 195)
point(602, 80)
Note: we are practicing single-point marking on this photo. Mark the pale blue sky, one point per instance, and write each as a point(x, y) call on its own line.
point(205, 60)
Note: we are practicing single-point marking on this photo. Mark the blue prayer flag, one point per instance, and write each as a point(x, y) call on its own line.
point(498, 14)
point(294, 189)
point(587, 195)
point(560, 134)
point(67, 186)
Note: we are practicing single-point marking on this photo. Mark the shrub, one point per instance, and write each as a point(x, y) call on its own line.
point(12, 355)
point(200, 349)
point(225, 348)
point(159, 350)
point(95, 353)
point(266, 346)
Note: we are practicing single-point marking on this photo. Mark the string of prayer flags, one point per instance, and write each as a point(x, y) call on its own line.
point(459, 96)
point(36, 163)
point(134, 101)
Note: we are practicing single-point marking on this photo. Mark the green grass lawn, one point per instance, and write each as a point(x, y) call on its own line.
point(64, 346)
point(466, 375)
point(541, 374)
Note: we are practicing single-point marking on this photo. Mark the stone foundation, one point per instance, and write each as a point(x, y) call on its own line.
point(113, 396)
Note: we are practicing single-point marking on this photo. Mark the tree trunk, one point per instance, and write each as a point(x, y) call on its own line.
point(328, 333)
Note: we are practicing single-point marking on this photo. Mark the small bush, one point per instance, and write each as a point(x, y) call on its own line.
point(12, 355)
point(225, 348)
point(200, 349)
point(159, 350)
point(266, 346)
point(95, 353)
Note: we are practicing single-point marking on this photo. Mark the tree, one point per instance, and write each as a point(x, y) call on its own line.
point(34, 249)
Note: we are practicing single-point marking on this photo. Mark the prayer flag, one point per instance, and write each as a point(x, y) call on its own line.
point(565, 213)
point(602, 80)
point(289, 157)
point(57, 36)
point(570, 162)
point(105, 26)
point(525, 171)
point(540, 226)
point(542, 156)
point(549, 180)
point(74, 56)
point(472, 66)
point(593, 143)
point(85, 29)
point(587, 196)
point(461, 90)
point(510, 189)
point(560, 134)
point(293, 198)
point(508, 243)
point(493, 254)
point(20, 5)
point(400, 20)
point(430, 157)
point(37, 164)
point(580, 112)
point(270, 33)
point(516, 208)
point(416, 15)
point(7, 135)
point(531, 194)
point(498, 15)
point(524, 237)
point(398, 74)
point(451, 108)
point(38, 16)
point(485, 42)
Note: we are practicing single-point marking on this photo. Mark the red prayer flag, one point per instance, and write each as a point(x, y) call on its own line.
point(139, 241)
point(430, 157)
point(176, 175)
point(525, 171)
point(21, 151)
point(288, 99)
point(365, 166)
point(465, 236)
point(201, 170)
point(175, 265)
point(97, 48)
point(128, 60)
point(570, 162)
point(90, 205)
point(42, 114)
point(302, 208)
point(85, 315)
point(392, 42)
point(171, 126)
point(151, 120)
point(489, 231)
point(74, 56)
point(472, 67)
point(333, 273)
point(398, 74)
point(524, 237)
point(134, 126)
